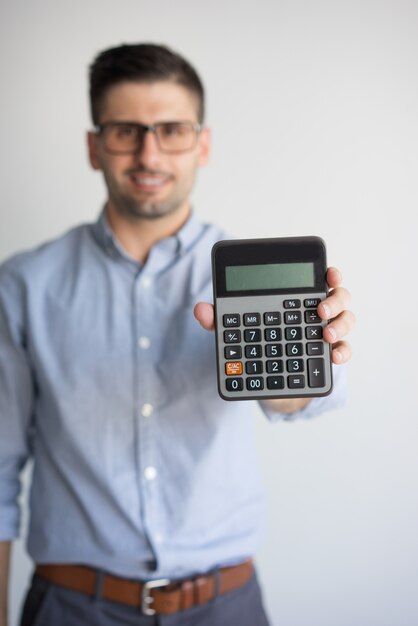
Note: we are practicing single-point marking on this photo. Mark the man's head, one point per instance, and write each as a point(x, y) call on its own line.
point(141, 63)
point(147, 106)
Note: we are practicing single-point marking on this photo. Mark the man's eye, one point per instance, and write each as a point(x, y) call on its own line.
point(126, 131)
point(172, 130)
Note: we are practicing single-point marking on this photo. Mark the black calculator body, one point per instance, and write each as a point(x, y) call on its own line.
point(268, 334)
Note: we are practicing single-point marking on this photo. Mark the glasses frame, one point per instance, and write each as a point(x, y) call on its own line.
point(148, 128)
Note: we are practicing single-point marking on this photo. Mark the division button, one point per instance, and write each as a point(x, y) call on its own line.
point(234, 384)
point(311, 317)
point(316, 372)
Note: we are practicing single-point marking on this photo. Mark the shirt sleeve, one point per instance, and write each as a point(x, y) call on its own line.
point(335, 400)
point(16, 401)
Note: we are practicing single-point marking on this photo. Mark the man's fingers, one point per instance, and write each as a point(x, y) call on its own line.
point(337, 301)
point(341, 352)
point(204, 314)
point(339, 327)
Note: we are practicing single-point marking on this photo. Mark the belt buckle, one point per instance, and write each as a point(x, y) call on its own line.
point(146, 598)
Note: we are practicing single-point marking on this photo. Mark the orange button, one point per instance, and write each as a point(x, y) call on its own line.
point(234, 368)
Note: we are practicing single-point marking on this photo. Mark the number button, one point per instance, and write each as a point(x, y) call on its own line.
point(254, 367)
point(272, 334)
point(272, 318)
point(274, 349)
point(255, 383)
point(274, 367)
point(294, 349)
point(234, 384)
point(295, 365)
point(231, 319)
point(293, 333)
point(252, 319)
point(253, 352)
point(252, 336)
point(232, 336)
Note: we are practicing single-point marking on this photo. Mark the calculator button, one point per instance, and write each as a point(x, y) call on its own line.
point(252, 336)
point(272, 334)
point(232, 319)
point(293, 317)
point(313, 332)
point(233, 368)
point(311, 303)
point(293, 333)
point(254, 367)
point(291, 304)
point(314, 348)
point(252, 319)
point(316, 372)
point(311, 317)
point(233, 353)
point(295, 382)
point(234, 384)
point(294, 349)
point(232, 336)
point(255, 383)
point(274, 367)
point(253, 352)
point(272, 318)
point(274, 349)
point(295, 365)
point(275, 382)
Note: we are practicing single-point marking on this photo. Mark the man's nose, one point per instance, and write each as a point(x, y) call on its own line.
point(148, 150)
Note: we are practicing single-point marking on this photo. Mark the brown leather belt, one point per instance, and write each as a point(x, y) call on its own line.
point(154, 596)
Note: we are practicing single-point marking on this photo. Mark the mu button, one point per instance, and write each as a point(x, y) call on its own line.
point(234, 368)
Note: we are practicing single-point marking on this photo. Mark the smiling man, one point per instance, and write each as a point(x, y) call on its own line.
point(146, 505)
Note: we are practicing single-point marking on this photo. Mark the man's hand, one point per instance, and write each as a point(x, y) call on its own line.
point(333, 308)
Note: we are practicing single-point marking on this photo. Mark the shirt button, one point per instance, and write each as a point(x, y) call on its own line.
point(159, 538)
point(147, 410)
point(150, 472)
point(144, 343)
point(146, 282)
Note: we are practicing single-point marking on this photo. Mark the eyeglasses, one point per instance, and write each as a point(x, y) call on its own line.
point(128, 137)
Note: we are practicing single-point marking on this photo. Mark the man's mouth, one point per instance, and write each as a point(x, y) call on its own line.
point(149, 182)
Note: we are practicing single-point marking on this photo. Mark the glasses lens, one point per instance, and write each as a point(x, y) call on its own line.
point(176, 136)
point(121, 137)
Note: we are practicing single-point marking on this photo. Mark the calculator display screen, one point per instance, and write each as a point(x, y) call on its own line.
point(269, 276)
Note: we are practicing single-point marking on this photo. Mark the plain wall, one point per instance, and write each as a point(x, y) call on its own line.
point(313, 107)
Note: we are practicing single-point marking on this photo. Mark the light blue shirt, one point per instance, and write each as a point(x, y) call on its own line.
point(108, 382)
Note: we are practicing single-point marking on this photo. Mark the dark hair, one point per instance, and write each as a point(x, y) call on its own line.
point(145, 63)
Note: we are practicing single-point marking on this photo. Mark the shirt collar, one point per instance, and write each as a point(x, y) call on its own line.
point(173, 246)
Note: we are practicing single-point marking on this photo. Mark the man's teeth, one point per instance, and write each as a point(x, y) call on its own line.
point(148, 181)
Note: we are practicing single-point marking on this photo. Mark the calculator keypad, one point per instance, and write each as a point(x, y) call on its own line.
point(276, 351)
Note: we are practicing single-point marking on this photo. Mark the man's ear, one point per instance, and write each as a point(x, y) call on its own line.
point(205, 140)
point(93, 146)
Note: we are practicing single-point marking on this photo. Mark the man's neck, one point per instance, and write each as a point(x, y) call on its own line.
point(139, 235)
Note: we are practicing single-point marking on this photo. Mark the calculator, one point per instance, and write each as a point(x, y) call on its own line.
point(268, 333)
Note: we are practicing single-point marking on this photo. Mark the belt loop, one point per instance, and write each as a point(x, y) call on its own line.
point(99, 585)
point(217, 582)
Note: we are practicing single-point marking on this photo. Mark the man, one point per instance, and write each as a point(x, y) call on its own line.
point(145, 499)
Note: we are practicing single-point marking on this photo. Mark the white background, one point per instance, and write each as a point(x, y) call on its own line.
point(314, 108)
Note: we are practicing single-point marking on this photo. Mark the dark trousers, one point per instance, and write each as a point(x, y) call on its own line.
point(49, 605)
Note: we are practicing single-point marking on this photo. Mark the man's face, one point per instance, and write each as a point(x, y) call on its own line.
point(149, 183)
